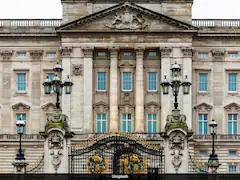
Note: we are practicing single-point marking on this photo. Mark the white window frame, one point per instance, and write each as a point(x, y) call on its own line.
point(232, 113)
point(148, 80)
point(106, 81)
point(127, 120)
point(123, 81)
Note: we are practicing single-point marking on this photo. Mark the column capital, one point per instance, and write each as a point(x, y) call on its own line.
point(187, 51)
point(36, 54)
point(66, 51)
point(218, 55)
point(88, 51)
point(6, 54)
point(114, 51)
point(139, 50)
point(166, 51)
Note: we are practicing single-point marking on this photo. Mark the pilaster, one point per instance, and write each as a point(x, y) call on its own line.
point(113, 123)
point(139, 100)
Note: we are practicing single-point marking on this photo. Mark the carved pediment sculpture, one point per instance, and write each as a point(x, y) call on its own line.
point(101, 107)
point(20, 106)
point(152, 107)
point(6, 54)
point(47, 106)
point(36, 54)
point(203, 106)
point(232, 106)
point(218, 55)
point(77, 69)
point(127, 20)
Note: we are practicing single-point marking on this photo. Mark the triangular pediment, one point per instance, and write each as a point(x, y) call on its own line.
point(152, 103)
point(20, 106)
point(48, 105)
point(203, 106)
point(232, 106)
point(126, 17)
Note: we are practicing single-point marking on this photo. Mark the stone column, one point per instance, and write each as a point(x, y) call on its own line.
point(187, 71)
point(66, 64)
point(165, 71)
point(113, 123)
point(88, 89)
point(139, 100)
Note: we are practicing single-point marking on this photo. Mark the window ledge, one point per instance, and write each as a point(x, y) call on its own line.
point(21, 92)
point(203, 92)
point(152, 92)
point(232, 93)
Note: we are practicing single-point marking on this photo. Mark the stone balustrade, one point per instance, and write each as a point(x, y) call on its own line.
point(223, 23)
point(218, 136)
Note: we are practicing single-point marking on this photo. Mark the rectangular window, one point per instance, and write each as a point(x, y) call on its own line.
point(21, 82)
point(152, 81)
point(126, 122)
point(232, 123)
point(203, 55)
point(51, 76)
point(232, 82)
point(203, 153)
point(101, 54)
point(152, 123)
point(233, 54)
point(232, 153)
point(51, 54)
point(232, 168)
point(127, 81)
point(101, 81)
point(23, 117)
point(152, 54)
point(202, 124)
point(101, 123)
point(127, 54)
point(203, 82)
point(21, 54)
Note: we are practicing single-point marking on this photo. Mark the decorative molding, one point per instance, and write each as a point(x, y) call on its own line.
point(20, 106)
point(166, 51)
point(126, 108)
point(218, 55)
point(152, 107)
point(66, 51)
point(114, 51)
point(187, 52)
point(88, 52)
point(128, 20)
point(127, 63)
point(140, 51)
point(46, 106)
point(6, 54)
point(203, 105)
point(36, 54)
point(77, 69)
point(101, 107)
point(230, 106)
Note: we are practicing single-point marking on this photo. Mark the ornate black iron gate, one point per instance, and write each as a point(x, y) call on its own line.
point(116, 153)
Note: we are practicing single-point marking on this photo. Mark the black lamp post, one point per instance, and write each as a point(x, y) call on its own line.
point(175, 84)
point(57, 84)
point(20, 125)
point(213, 162)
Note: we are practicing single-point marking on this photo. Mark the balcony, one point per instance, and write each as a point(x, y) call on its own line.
point(218, 137)
point(221, 23)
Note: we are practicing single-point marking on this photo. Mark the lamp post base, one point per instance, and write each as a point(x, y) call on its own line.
point(213, 163)
point(20, 166)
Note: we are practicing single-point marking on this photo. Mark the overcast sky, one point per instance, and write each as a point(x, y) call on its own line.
point(30, 9)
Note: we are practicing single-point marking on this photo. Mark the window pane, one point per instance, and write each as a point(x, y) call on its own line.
point(152, 81)
point(229, 127)
point(149, 116)
point(129, 126)
point(154, 126)
point(101, 81)
point(232, 153)
point(127, 81)
point(203, 82)
point(203, 55)
point(127, 54)
point(98, 116)
point(124, 126)
point(21, 82)
point(232, 82)
point(152, 54)
point(130, 116)
point(104, 128)
point(104, 116)
point(229, 116)
point(200, 117)
point(235, 117)
point(124, 116)
point(101, 54)
point(205, 127)
point(235, 128)
point(149, 126)
point(203, 153)
point(200, 128)
point(205, 117)
point(98, 126)
point(154, 117)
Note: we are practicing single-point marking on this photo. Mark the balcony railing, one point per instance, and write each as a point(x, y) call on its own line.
point(218, 136)
point(224, 23)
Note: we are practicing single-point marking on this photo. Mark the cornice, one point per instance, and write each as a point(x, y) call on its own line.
point(133, 1)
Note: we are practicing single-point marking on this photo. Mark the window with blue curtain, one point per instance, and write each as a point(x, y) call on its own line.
point(152, 54)
point(233, 54)
point(51, 54)
point(232, 168)
point(202, 124)
point(22, 86)
point(101, 81)
point(152, 123)
point(101, 123)
point(126, 122)
point(232, 153)
point(23, 116)
point(127, 81)
point(203, 55)
point(152, 81)
point(232, 82)
point(21, 54)
point(203, 82)
point(101, 54)
point(203, 153)
point(232, 123)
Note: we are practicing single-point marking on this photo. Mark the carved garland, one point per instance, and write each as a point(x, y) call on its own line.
point(66, 51)
point(218, 55)
point(6, 54)
point(165, 52)
point(36, 54)
point(187, 52)
point(77, 69)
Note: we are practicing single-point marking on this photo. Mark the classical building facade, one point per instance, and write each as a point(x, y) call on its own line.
point(117, 53)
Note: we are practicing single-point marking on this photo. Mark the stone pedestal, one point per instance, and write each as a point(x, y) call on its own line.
point(176, 136)
point(57, 140)
point(20, 166)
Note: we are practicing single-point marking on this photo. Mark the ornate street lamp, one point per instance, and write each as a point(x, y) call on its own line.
point(20, 125)
point(57, 84)
point(175, 84)
point(213, 162)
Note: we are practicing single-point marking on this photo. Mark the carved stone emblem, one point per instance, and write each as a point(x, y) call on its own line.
point(66, 51)
point(165, 52)
point(218, 55)
point(20, 106)
point(36, 54)
point(187, 52)
point(128, 20)
point(6, 54)
point(78, 69)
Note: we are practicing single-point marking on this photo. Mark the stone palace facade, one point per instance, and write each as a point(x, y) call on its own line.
point(117, 53)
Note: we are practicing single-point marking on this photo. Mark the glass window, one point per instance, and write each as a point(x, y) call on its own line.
point(127, 81)
point(152, 54)
point(101, 81)
point(127, 54)
point(101, 54)
point(21, 54)
point(232, 82)
point(21, 81)
point(203, 153)
point(232, 168)
point(51, 54)
point(232, 153)
point(23, 117)
point(51, 76)
point(101, 123)
point(233, 54)
point(152, 81)
point(203, 82)
point(202, 124)
point(232, 123)
point(126, 122)
point(203, 55)
point(152, 123)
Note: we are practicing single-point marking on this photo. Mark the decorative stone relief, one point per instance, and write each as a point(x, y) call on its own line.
point(203, 106)
point(128, 20)
point(6, 54)
point(176, 145)
point(152, 107)
point(232, 106)
point(218, 55)
point(140, 51)
point(129, 63)
point(165, 52)
point(127, 108)
point(55, 143)
point(101, 107)
point(36, 54)
point(77, 69)
point(187, 52)
point(45, 107)
point(114, 51)
point(88, 52)
point(20, 106)
point(66, 51)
